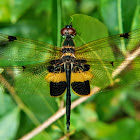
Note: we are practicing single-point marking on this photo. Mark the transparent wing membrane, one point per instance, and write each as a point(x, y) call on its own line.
point(119, 43)
point(105, 55)
point(29, 79)
point(22, 51)
point(26, 62)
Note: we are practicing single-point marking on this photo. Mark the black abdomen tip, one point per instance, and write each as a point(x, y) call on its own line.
point(68, 127)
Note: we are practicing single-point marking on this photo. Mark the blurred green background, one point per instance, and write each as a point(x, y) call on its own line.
point(109, 115)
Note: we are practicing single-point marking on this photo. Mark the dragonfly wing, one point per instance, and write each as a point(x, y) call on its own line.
point(105, 55)
point(36, 79)
point(121, 44)
point(80, 83)
point(21, 51)
point(57, 83)
point(28, 79)
point(28, 61)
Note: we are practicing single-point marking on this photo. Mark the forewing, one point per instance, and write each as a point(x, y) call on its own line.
point(105, 55)
point(19, 51)
point(24, 63)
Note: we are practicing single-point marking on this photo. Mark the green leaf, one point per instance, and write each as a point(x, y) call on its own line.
point(86, 113)
point(9, 125)
point(9, 117)
point(127, 129)
point(5, 11)
point(128, 8)
point(88, 29)
point(124, 129)
point(18, 8)
point(108, 104)
point(42, 107)
point(118, 15)
point(6, 103)
point(108, 10)
point(129, 108)
point(136, 18)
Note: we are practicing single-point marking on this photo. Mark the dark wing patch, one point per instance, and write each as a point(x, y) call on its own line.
point(12, 38)
point(57, 89)
point(125, 35)
point(57, 83)
point(81, 88)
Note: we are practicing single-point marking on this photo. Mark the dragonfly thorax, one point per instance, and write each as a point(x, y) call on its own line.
point(68, 50)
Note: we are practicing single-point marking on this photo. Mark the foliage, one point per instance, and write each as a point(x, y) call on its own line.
point(105, 116)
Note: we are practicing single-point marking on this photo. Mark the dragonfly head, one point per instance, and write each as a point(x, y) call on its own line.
point(68, 31)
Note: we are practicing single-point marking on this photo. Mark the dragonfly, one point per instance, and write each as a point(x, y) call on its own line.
point(46, 68)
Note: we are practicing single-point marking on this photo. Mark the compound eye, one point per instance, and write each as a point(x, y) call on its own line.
point(64, 31)
point(71, 31)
